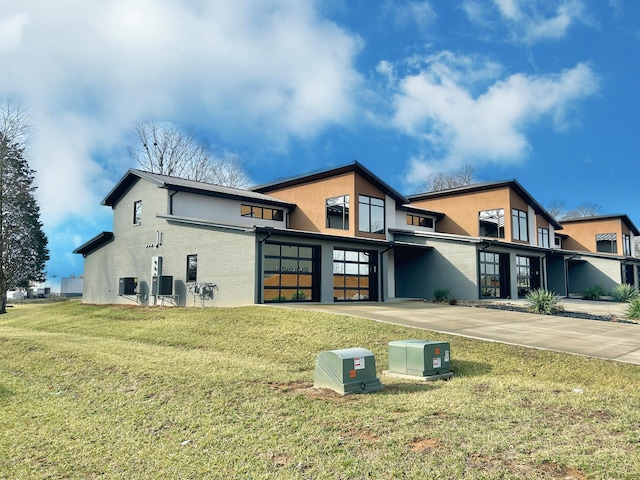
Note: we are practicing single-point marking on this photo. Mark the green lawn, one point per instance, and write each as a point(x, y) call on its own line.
point(116, 392)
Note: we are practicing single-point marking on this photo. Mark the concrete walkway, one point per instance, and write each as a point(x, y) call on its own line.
point(593, 338)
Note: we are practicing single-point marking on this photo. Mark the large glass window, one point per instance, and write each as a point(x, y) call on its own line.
point(626, 244)
point(192, 268)
point(290, 273)
point(261, 212)
point(370, 214)
point(492, 223)
point(419, 221)
point(543, 237)
point(607, 242)
point(493, 279)
point(338, 212)
point(137, 212)
point(520, 225)
point(523, 267)
point(353, 275)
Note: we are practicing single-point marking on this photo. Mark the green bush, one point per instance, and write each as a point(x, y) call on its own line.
point(299, 296)
point(624, 293)
point(542, 301)
point(594, 293)
point(633, 310)
point(441, 294)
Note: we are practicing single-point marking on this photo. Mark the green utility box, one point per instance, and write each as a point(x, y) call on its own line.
point(420, 358)
point(351, 370)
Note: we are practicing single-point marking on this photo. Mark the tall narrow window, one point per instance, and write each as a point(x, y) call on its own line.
point(192, 268)
point(492, 223)
point(626, 244)
point(520, 225)
point(543, 237)
point(137, 212)
point(370, 214)
point(338, 212)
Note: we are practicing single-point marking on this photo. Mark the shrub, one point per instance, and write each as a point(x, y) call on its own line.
point(299, 296)
point(593, 293)
point(542, 301)
point(453, 301)
point(633, 310)
point(624, 293)
point(441, 294)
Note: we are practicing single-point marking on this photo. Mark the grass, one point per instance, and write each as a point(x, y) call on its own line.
point(119, 392)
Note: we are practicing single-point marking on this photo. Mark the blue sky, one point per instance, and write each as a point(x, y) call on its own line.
point(543, 91)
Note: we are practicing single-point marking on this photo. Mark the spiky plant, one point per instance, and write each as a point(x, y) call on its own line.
point(623, 293)
point(542, 301)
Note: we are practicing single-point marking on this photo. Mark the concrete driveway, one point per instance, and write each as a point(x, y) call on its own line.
point(593, 338)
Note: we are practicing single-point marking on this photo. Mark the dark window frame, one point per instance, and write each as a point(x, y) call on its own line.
point(137, 212)
point(519, 225)
point(192, 268)
point(369, 210)
point(543, 237)
point(626, 244)
point(607, 245)
point(334, 205)
point(265, 213)
point(494, 218)
point(419, 221)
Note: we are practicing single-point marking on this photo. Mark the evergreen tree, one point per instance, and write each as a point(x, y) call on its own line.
point(23, 244)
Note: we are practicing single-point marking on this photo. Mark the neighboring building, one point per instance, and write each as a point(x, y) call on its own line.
point(604, 251)
point(509, 238)
point(71, 286)
point(340, 234)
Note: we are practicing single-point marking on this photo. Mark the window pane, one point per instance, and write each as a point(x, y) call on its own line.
point(289, 251)
point(289, 265)
point(192, 268)
point(272, 264)
point(338, 254)
point(278, 215)
point(305, 252)
point(364, 218)
point(351, 256)
point(245, 210)
point(305, 266)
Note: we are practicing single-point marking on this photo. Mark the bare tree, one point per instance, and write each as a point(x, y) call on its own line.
point(168, 150)
point(445, 180)
point(556, 208)
point(582, 211)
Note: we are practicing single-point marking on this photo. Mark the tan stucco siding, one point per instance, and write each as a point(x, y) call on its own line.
point(461, 211)
point(582, 235)
point(310, 198)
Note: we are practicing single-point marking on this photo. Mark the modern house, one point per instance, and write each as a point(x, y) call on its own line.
point(603, 247)
point(340, 234)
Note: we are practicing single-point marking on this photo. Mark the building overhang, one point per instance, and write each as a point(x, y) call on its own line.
point(96, 242)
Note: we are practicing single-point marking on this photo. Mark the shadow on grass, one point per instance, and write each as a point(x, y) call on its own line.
point(463, 368)
point(4, 392)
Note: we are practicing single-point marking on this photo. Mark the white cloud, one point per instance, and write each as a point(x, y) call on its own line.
point(420, 13)
point(531, 21)
point(88, 71)
point(437, 106)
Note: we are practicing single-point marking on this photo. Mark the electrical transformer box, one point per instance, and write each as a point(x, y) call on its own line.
point(420, 358)
point(351, 370)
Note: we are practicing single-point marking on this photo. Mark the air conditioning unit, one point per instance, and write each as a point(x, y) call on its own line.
point(162, 285)
point(128, 286)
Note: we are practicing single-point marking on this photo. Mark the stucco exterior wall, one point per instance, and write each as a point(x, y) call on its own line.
point(582, 234)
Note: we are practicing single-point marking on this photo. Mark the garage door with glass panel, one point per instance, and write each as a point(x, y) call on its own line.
point(291, 273)
point(354, 275)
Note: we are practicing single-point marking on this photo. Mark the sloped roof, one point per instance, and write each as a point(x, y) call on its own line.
point(354, 166)
point(184, 185)
point(618, 216)
point(486, 186)
point(95, 243)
